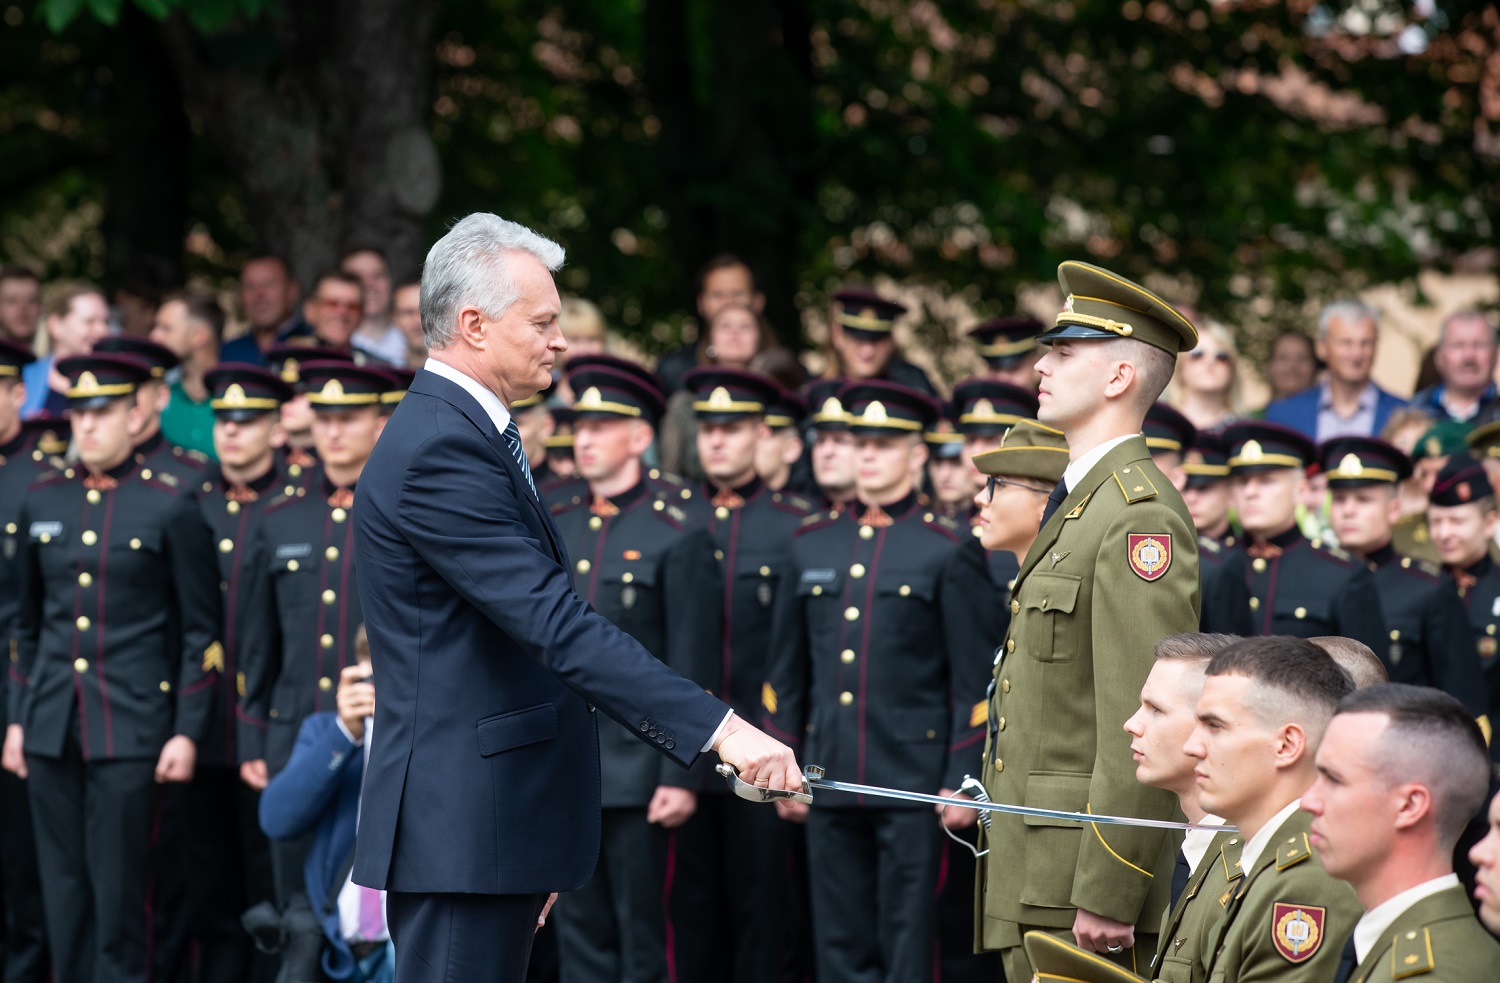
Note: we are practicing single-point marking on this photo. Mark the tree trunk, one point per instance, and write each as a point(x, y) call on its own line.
point(320, 112)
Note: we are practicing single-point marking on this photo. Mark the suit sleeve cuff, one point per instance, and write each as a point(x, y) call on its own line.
point(712, 738)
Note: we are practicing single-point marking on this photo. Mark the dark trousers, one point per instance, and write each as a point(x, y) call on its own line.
point(228, 865)
point(95, 823)
point(474, 938)
point(873, 894)
point(25, 935)
point(613, 929)
point(957, 960)
point(737, 901)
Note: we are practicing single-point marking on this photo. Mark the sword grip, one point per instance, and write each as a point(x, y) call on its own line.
point(974, 789)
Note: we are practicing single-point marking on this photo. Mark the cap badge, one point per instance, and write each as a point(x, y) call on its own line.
point(289, 373)
point(1068, 304)
point(234, 396)
point(1252, 452)
point(984, 407)
point(88, 385)
point(1350, 467)
point(868, 314)
point(1434, 447)
point(720, 399)
point(592, 398)
point(1464, 491)
point(333, 391)
point(874, 414)
point(832, 407)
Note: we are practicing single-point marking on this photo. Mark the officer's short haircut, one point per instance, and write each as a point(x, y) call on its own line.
point(1295, 681)
point(1354, 657)
point(1431, 739)
point(1196, 647)
point(202, 308)
point(1153, 367)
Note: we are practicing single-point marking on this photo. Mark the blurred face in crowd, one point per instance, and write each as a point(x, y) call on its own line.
point(1160, 728)
point(1234, 748)
point(952, 484)
point(1465, 355)
point(179, 333)
point(12, 398)
point(105, 436)
point(775, 454)
point(884, 467)
point(246, 448)
point(1348, 349)
point(1208, 368)
point(1170, 464)
point(335, 310)
point(1019, 371)
point(345, 437)
point(974, 445)
point(725, 286)
point(603, 446)
point(833, 463)
point(1267, 502)
point(535, 425)
point(267, 294)
point(1291, 367)
point(727, 450)
point(1424, 471)
point(1461, 533)
point(78, 331)
point(373, 272)
point(1354, 804)
point(1362, 517)
point(1486, 858)
point(734, 336)
point(406, 312)
point(20, 308)
point(297, 420)
point(1209, 507)
point(1010, 512)
point(862, 356)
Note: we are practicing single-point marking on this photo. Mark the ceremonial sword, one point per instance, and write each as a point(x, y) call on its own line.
point(812, 778)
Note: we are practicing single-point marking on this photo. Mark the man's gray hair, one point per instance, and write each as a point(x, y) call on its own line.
point(467, 268)
point(1345, 310)
point(1469, 314)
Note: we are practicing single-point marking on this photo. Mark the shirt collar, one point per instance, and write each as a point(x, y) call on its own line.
point(485, 396)
point(1256, 845)
point(1366, 398)
point(1195, 842)
point(1077, 470)
point(1374, 923)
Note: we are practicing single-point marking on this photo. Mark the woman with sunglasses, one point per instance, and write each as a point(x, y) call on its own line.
point(1022, 472)
point(1207, 386)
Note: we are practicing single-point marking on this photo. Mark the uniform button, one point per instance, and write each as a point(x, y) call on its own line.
point(595, 523)
point(83, 623)
point(846, 698)
point(999, 764)
point(223, 585)
point(1000, 724)
point(80, 665)
point(846, 656)
point(89, 537)
point(339, 515)
point(146, 473)
point(658, 505)
point(326, 641)
point(295, 470)
point(1489, 629)
point(226, 546)
point(765, 571)
point(719, 555)
point(274, 713)
point(1254, 604)
point(583, 566)
point(329, 597)
point(292, 565)
point(1259, 564)
point(45, 537)
point(233, 508)
point(164, 686)
point(332, 553)
point(661, 738)
point(85, 579)
point(93, 496)
point(10, 528)
point(857, 571)
point(325, 684)
point(1015, 607)
point(1395, 636)
point(1300, 613)
point(851, 614)
point(721, 513)
point(931, 734)
point(817, 591)
point(1005, 685)
point(627, 577)
point(1010, 645)
point(866, 532)
point(905, 590)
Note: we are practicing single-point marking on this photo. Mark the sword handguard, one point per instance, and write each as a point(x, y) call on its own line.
point(755, 793)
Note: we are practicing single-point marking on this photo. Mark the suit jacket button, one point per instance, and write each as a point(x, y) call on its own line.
point(661, 738)
point(645, 726)
point(670, 744)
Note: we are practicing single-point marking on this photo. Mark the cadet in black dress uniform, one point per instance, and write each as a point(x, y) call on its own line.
point(861, 335)
point(1461, 515)
point(781, 459)
point(1297, 586)
point(21, 463)
point(646, 565)
point(1429, 643)
point(831, 446)
point(152, 450)
point(299, 454)
point(880, 653)
point(118, 641)
point(1009, 348)
point(950, 487)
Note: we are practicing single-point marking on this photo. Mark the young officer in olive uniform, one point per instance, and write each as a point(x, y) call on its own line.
point(646, 565)
point(21, 463)
point(1297, 586)
point(230, 855)
point(734, 899)
point(152, 450)
point(879, 652)
point(1429, 643)
point(1462, 517)
point(1401, 770)
point(1112, 571)
point(117, 635)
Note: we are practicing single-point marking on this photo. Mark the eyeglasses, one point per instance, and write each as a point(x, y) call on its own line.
point(1217, 356)
point(995, 482)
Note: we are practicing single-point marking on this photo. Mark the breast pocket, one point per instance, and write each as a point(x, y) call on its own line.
point(757, 578)
point(1044, 627)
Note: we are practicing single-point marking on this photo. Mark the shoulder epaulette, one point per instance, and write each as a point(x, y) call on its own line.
point(193, 455)
point(1411, 954)
point(1135, 485)
point(818, 520)
point(1292, 852)
point(787, 502)
point(941, 524)
point(1332, 552)
point(165, 478)
point(1210, 544)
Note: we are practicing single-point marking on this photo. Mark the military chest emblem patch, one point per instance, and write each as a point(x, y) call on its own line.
point(1297, 931)
point(1150, 554)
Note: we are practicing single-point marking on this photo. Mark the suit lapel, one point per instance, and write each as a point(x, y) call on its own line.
point(1126, 452)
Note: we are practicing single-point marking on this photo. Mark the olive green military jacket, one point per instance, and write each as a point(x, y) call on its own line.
point(1438, 938)
point(1187, 931)
point(1288, 919)
point(1113, 571)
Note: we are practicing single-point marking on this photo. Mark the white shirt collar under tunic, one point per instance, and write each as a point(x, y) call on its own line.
point(1374, 923)
point(486, 397)
point(1077, 470)
point(1256, 845)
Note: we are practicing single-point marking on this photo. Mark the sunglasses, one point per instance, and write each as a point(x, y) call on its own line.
point(1217, 356)
point(994, 482)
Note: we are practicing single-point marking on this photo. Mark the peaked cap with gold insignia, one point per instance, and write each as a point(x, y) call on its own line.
point(1100, 305)
point(239, 391)
point(1354, 462)
point(342, 385)
point(95, 380)
point(1256, 446)
point(887, 409)
point(726, 395)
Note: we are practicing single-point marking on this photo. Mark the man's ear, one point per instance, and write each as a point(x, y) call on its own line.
point(1122, 376)
point(1292, 746)
point(640, 438)
point(471, 327)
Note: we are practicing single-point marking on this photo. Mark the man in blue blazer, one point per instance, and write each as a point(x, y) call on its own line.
point(1347, 403)
point(482, 792)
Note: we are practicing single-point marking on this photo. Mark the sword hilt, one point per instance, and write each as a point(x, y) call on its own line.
point(754, 793)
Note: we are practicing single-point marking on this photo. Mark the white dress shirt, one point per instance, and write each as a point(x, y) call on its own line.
point(1195, 841)
point(1256, 845)
point(1076, 470)
point(1374, 923)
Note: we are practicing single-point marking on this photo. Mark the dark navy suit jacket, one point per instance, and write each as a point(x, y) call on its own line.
point(318, 792)
point(485, 776)
point(1300, 412)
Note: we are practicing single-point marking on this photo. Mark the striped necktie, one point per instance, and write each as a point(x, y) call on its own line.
point(513, 441)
